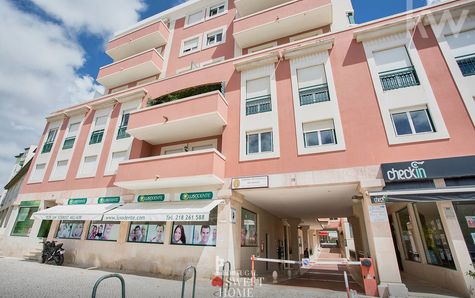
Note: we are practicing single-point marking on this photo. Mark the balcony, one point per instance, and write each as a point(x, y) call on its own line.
point(467, 64)
point(188, 169)
point(314, 94)
point(152, 36)
point(258, 105)
point(199, 116)
point(247, 7)
point(287, 19)
point(399, 78)
point(132, 69)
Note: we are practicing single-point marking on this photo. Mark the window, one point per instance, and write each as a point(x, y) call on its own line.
point(89, 165)
point(412, 122)
point(48, 145)
point(196, 233)
point(61, 168)
point(148, 232)
point(39, 172)
point(214, 38)
point(23, 222)
point(216, 10)
point(191, 45)
point(463, 49)
point(117, 157)
point(105, 231)
point(259, 142)
point(248, 228)
point(351, 17)
point(98, 133)
point(434, 239)
point(407, 235)
point(466, 216)
point(395, 69)
point(70, 229)
point(313, 87)
point(71, 136)
point(121, 134)
point(258, 96)
point(194, 18)
point(319, 133)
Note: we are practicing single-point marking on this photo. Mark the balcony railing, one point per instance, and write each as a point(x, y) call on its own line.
point(399, 78)
point(258, 105)
point(122, 133)
point(314, 94)
point(467, 64)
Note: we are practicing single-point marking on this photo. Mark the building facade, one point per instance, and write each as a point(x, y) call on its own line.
point(229, 127)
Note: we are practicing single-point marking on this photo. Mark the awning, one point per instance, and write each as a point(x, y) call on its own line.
point(164, 211)
point(74, 212)
point(425, 195)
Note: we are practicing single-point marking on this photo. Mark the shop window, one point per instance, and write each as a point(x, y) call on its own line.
point(407, 235)
point(105, 231)
point(23, 222)
point(248, 228)
point(147, 232)
point(70, 229)
point(196, 233)
point(434, 239)
point(466, 216)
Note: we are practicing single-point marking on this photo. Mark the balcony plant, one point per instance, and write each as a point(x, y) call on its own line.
point(188, 92)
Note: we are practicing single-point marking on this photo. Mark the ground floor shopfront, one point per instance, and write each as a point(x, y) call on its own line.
point(272, 216)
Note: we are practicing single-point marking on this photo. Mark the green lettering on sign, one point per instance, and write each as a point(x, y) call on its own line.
point(108, 200)
point(151, 198)
point(77, 201)
point(30, 203)
point(186, 196)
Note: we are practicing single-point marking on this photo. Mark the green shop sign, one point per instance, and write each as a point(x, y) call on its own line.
point(108, 200)
point(30, 203)
point(151, 198)
point(77, 201)
point(186, 196)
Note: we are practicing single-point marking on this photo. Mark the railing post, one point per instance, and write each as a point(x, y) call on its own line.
point(183, 281)
point(122, 282)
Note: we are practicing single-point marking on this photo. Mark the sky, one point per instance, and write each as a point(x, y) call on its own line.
point(52, 50)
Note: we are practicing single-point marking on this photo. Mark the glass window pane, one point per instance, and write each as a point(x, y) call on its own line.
point(401, 123)
point(248, 228)
point(407, 235)
point(253, 143)
point(435, 242)
point(328, 136)
point(266, 142)
point(199, 233)
point(311, 139)
point(421, 121)
point(466, 216)
point(70, 230)
point(23, 222)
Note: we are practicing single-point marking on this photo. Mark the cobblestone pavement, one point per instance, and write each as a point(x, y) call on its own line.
point(19, 278)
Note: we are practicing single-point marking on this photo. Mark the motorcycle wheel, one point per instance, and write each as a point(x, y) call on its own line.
point(59, 260)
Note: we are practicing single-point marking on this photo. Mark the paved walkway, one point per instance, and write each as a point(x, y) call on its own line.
point(19, 278)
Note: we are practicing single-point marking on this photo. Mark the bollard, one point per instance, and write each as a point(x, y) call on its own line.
point(122, 282)
point(183, 281)
point(369, 277)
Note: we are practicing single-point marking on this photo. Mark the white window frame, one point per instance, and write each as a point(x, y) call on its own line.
point(55, 176)
point(259, 144)
point(197, 22)
point(82, 172)
point(216, 31)
point(319, 136)
point(407, 111)
point(182, 48)
point(224, 3)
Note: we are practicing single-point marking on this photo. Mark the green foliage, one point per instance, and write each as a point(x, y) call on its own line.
point(471, 273)
point(184, 93)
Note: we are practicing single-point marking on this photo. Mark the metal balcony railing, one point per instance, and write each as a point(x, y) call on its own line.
point(399, 78)
point(258, 105)
point(314, 94)
point(467, 64)
point(121, 134)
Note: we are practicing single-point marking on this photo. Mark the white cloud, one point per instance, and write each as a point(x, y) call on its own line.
point(39, 62)
point(95, 16)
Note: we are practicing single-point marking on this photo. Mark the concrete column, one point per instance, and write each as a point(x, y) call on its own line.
point(382, 249)
point(305, 238)
point(460, 254)
point(293, 238)
point(228, 235)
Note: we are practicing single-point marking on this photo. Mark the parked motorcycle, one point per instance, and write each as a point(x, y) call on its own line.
point(52, 252)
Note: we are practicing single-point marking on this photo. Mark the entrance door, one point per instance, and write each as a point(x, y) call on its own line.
point(44, 228)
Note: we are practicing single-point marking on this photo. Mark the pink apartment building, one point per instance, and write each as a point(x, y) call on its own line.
point(230, 127)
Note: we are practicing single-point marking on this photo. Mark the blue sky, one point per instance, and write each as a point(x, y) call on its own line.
point(56, 47)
